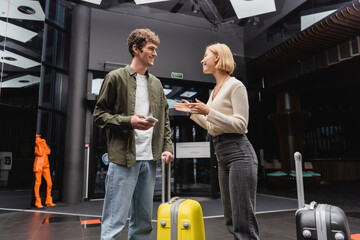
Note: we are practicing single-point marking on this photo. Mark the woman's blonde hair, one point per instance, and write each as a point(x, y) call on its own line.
point(226, 60)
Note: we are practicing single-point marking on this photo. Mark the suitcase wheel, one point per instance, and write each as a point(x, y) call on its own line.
point(306, 234)
point(339, 236)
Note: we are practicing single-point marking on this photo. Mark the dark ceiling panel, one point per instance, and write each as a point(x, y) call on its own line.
point(225, 8)
point(177, 7)
point(340, 26)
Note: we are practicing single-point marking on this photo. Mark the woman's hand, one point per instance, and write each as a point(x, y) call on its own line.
point(194, 108)
point(183, 107)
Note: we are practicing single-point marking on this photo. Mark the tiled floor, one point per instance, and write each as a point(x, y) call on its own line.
point(45, 226)
point(276, 216)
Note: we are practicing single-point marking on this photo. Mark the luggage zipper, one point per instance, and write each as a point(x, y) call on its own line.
point(174, 217)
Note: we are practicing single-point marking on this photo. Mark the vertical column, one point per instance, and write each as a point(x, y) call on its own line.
point(289, 122)
point(76, 110)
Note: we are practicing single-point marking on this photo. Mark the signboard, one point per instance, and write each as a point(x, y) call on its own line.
point(177, 75)
point(5, 160)
point(193, 150)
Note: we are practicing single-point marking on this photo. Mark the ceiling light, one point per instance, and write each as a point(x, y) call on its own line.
point(15, 32)
point(31, 11)
point(255, 21)
point(188, 94)
point(248, 8)
point(148, 1)
point(17, 60)
point(19, 82)
point(195, 7)
point(93, 1)
point(167, 91)
point(308, 20)
point(172, 102)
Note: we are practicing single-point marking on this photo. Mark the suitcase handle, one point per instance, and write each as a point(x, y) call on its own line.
point(299, 179)
point(313, 205)
point(174, 199)
point(163, 158)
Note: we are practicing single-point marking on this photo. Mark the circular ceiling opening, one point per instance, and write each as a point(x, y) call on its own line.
point(26, 10)
point(9, 58)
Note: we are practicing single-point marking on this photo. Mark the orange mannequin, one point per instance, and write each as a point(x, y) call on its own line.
point(42, 168)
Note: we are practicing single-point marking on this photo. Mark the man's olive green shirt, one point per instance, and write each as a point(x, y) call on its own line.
point(115, 107)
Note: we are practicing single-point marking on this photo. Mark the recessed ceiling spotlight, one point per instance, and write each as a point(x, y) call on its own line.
point(24, 81)
point(26, 10)
point(17, 60)
point(19, 82)
point(22, 9)
point(9, 58)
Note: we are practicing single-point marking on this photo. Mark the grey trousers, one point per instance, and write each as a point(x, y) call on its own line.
point(238, 166)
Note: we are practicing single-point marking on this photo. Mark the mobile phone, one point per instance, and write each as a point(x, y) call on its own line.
point(151, 119)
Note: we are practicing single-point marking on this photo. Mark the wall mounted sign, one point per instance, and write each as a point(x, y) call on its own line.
point(193, 150)
point(177, 75)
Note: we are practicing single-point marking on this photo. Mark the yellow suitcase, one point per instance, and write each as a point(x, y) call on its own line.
point(179, 219)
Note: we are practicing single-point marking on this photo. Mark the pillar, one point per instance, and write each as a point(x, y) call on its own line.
point(289, 123)
point(76, 110)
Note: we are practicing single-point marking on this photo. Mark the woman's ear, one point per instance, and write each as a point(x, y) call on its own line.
point(217, 58)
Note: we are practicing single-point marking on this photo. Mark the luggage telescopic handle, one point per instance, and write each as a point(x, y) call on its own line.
point(163, 158)
point(299, 179)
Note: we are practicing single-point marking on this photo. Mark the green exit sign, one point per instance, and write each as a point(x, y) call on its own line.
point(177, 75)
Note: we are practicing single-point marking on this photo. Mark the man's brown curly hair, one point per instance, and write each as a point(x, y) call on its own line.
point(140, 37)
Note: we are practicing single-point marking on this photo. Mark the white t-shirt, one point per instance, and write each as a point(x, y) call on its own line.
point(143, 138)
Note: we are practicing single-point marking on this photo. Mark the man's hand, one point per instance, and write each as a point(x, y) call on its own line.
point(138, 122)
point(169, 156)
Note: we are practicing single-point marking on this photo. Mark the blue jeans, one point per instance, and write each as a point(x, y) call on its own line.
point(128, 188)
point(238, 166)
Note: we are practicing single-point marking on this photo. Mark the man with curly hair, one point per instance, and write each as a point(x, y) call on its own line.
point(127, 97)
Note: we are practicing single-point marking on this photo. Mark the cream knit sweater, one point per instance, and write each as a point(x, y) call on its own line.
point(229, 110)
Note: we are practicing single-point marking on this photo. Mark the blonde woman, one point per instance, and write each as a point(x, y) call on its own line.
point(225, 116)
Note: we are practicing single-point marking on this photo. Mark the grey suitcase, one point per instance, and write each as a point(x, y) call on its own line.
point(321, 222)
